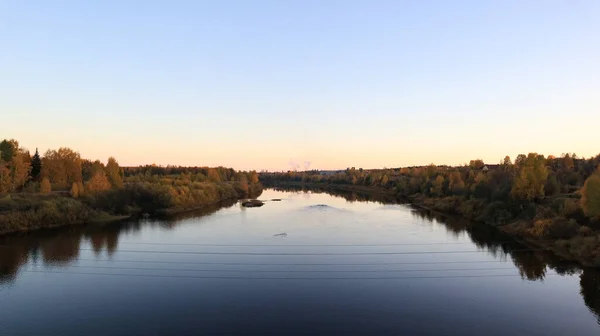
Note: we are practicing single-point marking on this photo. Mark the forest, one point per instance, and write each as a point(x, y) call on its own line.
point(61, 188)
point(551, 201)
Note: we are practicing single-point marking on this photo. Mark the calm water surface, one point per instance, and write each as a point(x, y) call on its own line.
point(313, 263)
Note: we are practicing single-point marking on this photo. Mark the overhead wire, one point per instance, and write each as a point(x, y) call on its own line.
point(307, 254)
point(290, 264)
point(280, 278)
point(287, 271)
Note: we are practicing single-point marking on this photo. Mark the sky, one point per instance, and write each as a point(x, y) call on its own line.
point(274, 85)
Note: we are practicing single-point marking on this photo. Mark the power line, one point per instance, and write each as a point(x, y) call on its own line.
point(306, 254)
point(294, 264)
point(304, 245)
point(289, 271)
point(281, 278)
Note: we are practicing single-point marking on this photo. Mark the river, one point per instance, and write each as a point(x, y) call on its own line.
point(312, 263)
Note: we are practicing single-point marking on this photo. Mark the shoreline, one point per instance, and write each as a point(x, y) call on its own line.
point(99, 220)
point(98, 217)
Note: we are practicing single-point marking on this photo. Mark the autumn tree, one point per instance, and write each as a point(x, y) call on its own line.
point(476, 164)
point(20, 169)
point(243, 182)
point(531, 177)
point(15, 164)
point(590, 195)
point(62, 167)
point(456, 184)
point(45, 187)
point(80, 189)
point(438, 185)
point(253, 177)
point(384, 180)
point(99, 182)
point(74, 190)
point(213, 175)
point(114, 173)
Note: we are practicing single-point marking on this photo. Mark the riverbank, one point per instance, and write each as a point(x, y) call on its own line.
point(30, 212)
point(25, 212)
point(564, 238)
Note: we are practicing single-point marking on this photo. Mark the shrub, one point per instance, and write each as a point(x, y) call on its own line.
point(586, 231)
point(561, 228)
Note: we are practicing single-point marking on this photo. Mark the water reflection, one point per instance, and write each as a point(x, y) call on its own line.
point(350, 196)
point(62, 246)
point(590, 290)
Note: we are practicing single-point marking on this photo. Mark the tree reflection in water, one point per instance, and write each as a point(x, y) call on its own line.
point(61, 247)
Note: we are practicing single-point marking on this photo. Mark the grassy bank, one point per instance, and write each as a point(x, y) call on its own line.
point(24, 212)
point(28, 212)
point(536, 226)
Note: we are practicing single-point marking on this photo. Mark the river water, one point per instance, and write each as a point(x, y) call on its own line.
point(312, 263)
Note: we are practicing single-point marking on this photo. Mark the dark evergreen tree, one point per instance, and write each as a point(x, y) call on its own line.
point(36, 166)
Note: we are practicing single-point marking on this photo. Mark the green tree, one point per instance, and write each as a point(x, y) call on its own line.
point(552, 187)
point(590, 195)
point(8, 149)
point(5, 178)
point(36, 166)
point(531, 178)
point(114, 173)
point(45, 187)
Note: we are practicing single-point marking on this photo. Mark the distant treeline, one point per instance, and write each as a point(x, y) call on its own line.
point(554, 198)
point(61, 187)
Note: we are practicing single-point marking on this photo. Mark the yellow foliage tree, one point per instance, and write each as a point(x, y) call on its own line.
point(74, 190)
point(80, 188)
point(113, 172)
point(98, 183)
point(45, 187)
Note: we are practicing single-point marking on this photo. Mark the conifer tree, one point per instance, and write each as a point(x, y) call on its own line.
point(36, 166)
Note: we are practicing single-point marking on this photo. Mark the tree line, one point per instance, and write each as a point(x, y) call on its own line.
point(559, 196)
point(61, 187)
point(59, 170)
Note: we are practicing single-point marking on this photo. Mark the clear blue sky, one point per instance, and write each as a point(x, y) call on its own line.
point(263, 84)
